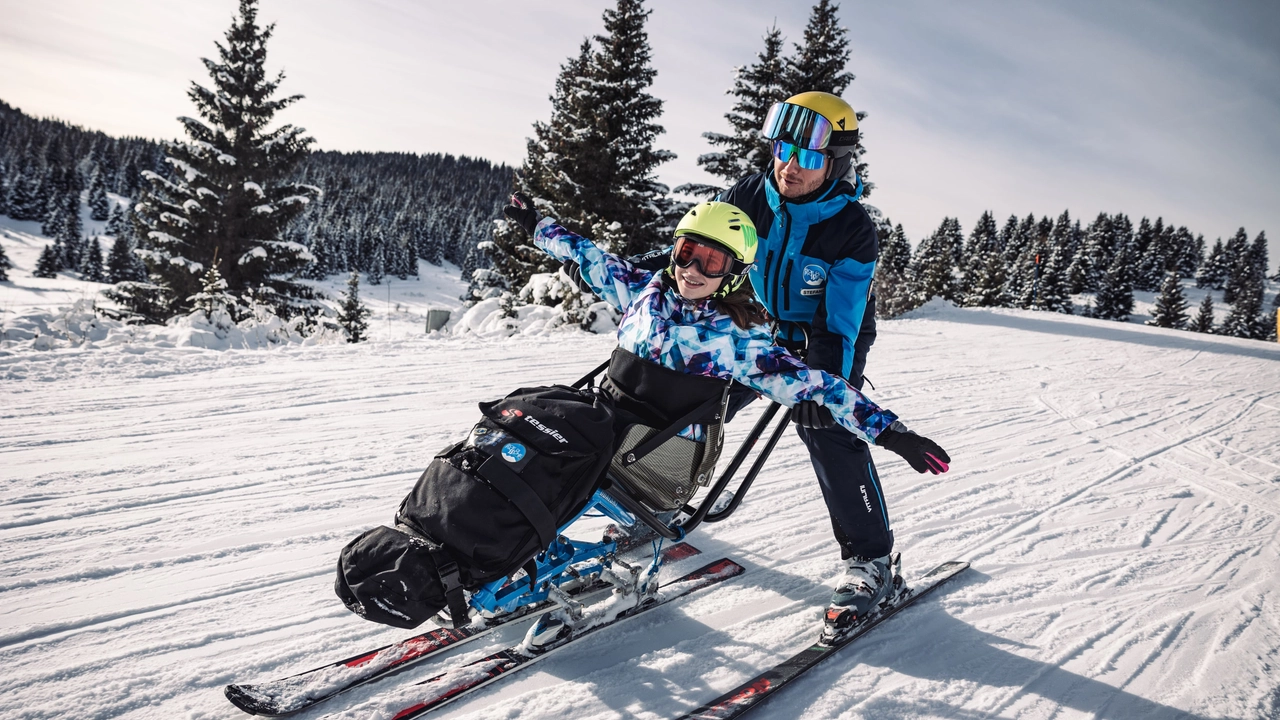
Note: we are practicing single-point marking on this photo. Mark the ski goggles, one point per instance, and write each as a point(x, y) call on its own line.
point(808, 159)
point(799, 125)
point(714, 260)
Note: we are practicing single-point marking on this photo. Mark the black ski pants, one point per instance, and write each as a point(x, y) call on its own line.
point(849, 482)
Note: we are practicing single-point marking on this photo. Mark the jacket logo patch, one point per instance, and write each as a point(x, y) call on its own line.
point(813, 275)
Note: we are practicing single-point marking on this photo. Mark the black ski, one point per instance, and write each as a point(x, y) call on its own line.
point(742, 699)
point(295, 693)
point(459, 681)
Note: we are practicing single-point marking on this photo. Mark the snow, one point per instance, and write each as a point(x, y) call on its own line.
point(171, 515)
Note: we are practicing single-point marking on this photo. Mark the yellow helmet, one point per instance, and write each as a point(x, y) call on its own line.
point(726, 226)
point(813, 121)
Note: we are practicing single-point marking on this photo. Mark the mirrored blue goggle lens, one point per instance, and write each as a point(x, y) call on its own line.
point(798, 125)
point(809, 159)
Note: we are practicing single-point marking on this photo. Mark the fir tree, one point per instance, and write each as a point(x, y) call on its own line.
point(91, 262)
point(213, 301)
point(933, 266)
point(99, 205)
point(227, 200)
point(1114, 300)
point(893, 288)
point(625, 186)
point(1016, 247)
point(1236, 259)
point(983, 241)
point(353, 316)
point(121, 262)
point(5, 265)
point(1203, 321)
point(1171, 306)
point(756, 88)
point(115, 222)
point(592, 167)
point(1246, 318)
point(47, 266)
point(1213, 271)
point(819, 65)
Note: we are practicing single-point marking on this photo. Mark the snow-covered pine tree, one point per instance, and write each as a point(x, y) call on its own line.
point(99, 204)
point(1114, 300)
point(1171, 305)
point(756, 88)
point(115, 222)
point(819, 65)
point(592, 166)
point(91, 261)
point(353, 316)
point(219, 308)
point(987, 281)
point(1213, 271)
point(121, 262)
point(1015, 251)
point(1188, 252)
point(623, 189)
point(226, 199)
point(4, 188)
point(5, 265)
point(933, 266)
point(983, 241)
point(1157, 256)
point(1055, 296)
point(1203, 321)
point(48, 264)
point(1247, 318)
point(893, 289)
point(1236, 259)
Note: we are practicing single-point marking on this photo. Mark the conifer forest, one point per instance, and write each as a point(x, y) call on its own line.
point(246, 209)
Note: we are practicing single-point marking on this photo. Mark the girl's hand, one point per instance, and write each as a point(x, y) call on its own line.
point(522, 212)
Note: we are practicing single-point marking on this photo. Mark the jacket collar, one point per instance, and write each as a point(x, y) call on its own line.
point(825, 202)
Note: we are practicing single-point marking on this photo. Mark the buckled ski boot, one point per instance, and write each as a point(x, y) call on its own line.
point(866, 586)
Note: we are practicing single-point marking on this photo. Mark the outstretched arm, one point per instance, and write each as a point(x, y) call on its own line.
point(614, 279)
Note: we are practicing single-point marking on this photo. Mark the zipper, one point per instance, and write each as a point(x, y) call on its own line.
point(768, 261)
point(786, 285)
point(786, 232)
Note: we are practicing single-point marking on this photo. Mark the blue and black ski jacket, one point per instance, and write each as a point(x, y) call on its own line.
point(813, 269)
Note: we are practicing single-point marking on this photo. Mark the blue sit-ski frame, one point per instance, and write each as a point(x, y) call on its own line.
point(504, 596)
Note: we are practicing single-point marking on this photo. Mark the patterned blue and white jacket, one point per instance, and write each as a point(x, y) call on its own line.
point(694, 337)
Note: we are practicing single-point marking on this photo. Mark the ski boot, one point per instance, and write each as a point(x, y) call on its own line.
point(868, 584)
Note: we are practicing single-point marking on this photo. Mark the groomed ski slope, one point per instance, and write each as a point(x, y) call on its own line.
point(170, 518)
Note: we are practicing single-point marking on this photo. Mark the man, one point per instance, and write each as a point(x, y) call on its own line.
point(815, 262)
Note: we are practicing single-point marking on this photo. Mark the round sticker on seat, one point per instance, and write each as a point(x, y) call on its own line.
point(814, 275)
point(513, 452)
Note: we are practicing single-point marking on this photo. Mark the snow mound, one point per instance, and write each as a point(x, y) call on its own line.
point(79, 326)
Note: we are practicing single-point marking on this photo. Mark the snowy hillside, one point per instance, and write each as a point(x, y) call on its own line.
point(171, 517)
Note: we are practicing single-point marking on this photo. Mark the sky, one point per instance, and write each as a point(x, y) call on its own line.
point(1151, 108)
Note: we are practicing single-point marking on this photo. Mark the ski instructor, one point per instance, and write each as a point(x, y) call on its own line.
point(816, 259)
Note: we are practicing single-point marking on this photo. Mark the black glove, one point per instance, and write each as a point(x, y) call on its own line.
point(522, 212)
point(809, 414)
point(921, 452)
point(574, 272)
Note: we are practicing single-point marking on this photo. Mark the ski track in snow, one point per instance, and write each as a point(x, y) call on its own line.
point(170, 519)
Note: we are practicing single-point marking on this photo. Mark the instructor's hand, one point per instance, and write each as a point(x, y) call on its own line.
point(809, 414)
point(522, 212)
point(922, 453)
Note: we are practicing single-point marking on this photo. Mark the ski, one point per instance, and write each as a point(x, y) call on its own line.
point(459, 681)
point(745, 697)
point(289, 695)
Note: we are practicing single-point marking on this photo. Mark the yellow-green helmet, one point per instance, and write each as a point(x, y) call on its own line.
point(727, 226)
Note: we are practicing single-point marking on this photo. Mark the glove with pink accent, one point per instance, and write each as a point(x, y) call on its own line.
point(920, 452)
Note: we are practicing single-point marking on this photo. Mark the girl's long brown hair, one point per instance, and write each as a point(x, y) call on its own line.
point(741, 306)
